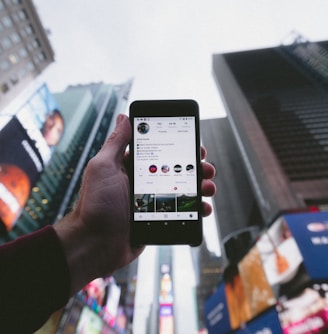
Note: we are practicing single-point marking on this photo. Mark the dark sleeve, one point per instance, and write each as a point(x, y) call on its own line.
point(34, 281)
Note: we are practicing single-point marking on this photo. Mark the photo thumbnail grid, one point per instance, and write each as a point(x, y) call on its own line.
point(165, 203)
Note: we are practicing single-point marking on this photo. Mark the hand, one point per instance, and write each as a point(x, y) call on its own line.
point(95, 235)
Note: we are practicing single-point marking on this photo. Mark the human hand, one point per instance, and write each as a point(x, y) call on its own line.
point(95, 235)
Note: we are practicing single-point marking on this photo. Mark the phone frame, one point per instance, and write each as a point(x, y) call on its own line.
point(166, 232)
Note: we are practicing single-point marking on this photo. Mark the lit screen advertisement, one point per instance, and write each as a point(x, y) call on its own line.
point(166, 316)
point(310, 231)
point(266, 323)
point(165, 183)
point(102, 295)
point(27, 140)
point(294, 256)
point(216, 312)
point(281, 285)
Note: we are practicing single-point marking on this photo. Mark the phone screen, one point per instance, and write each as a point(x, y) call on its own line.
point(165, 169)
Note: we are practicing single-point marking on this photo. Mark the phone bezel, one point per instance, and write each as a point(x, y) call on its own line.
point(166, 232)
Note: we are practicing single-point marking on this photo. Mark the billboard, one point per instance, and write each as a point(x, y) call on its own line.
point(166, 299)
point(28, 138)
point(280, 285)
point(216, 312)
point(102, 295)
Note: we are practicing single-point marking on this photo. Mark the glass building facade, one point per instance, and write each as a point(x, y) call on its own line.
point(88, 111)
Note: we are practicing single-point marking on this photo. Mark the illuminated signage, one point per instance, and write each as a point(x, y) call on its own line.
point(27, 140)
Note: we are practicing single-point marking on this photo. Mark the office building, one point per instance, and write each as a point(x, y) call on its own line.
point(25, 50)
point(276, 101)
point(271, 155)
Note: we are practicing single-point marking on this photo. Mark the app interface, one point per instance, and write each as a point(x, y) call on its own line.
point(165, 175)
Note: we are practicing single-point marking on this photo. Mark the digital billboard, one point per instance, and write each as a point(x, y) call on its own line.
point(280, 285)
point(28, 138)
point(102, 295)
point(166, 299)
point(216, 312)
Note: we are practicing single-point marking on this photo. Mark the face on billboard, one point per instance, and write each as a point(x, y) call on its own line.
point(27, 140)
point(53, 128)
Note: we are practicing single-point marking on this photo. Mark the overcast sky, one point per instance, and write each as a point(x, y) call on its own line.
point(166, 45)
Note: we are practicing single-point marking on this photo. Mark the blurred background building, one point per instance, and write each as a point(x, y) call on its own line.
point(271, 156)
point(275, 138)
point(25, 50)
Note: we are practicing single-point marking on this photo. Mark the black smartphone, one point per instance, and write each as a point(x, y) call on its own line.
point(166, 173)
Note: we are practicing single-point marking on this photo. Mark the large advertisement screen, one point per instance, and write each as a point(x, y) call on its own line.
point(280, 285)
point(28, 137)
point(166, 299)
point(102, 295)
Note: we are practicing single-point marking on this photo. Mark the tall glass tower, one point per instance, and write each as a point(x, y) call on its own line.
point(89, 112)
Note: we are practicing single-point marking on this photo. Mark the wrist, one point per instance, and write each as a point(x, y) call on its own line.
point(80, 252)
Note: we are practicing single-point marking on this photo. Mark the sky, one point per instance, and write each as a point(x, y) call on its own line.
point(166, 45)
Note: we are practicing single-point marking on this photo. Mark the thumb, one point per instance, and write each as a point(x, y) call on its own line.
point(119, 139)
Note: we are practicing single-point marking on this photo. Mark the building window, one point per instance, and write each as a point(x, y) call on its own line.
point(42, 56)
point(23, 32)
point(23, 53)
point(22, 72)
point(6, 43)
point(4, 88)
point(15, 38)
point(36, 60)
point(22, 14)
point(29, 29)
point(5, 65)
point(36, 43)
point(14, 79)
point(7, 21)
point(30, 67)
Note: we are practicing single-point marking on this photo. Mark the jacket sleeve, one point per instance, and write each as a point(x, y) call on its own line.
point(34, 281)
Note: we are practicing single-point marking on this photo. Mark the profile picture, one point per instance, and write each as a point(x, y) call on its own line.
point(190, 168)
point(165, 168)
point(178, 168)
point(143, 128)
point(153, 169)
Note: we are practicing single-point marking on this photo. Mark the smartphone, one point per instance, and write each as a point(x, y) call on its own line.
point(166, 173)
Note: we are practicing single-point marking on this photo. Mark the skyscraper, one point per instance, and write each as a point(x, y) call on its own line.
point(88, 111)
point(271, 154)
point(276, 101)
point(25, 50)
